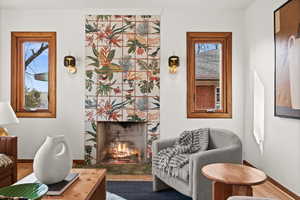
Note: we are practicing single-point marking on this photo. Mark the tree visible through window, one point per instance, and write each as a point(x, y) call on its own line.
point(36, 75)
point(33, 77)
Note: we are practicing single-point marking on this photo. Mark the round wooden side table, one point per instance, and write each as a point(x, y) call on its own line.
point(232, 179)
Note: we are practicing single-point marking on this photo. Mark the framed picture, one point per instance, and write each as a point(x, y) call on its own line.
point(287, 59)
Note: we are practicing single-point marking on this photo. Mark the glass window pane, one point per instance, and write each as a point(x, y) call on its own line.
point(208, 63)
point(36, 65)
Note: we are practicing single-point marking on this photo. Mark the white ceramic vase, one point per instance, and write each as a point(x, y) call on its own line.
point(50, 166)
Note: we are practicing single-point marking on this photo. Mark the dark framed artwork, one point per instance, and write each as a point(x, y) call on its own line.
point(287, 59)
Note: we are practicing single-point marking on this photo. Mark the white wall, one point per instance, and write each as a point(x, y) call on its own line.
point(281, 156)
point(70, 90)
point(175, 24)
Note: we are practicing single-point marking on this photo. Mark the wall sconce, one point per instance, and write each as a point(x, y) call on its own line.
point(70, 64)
point(173, 64)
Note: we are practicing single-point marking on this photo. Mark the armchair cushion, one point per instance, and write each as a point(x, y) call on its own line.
point(183, 173)
point(5, 161)
point(172, 159)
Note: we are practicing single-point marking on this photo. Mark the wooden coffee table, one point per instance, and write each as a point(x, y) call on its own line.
point(232, 179)
point(91, 185)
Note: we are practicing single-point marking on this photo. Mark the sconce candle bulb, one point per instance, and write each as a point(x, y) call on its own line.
point(70, 64)
point(173, 64)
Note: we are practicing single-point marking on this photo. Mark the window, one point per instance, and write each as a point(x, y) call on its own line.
point(209, 75)
point(33, 88)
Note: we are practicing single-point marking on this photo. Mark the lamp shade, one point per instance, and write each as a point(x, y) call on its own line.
point(7, 114)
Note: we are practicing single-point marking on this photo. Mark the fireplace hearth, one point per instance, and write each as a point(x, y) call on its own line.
point(121, 142)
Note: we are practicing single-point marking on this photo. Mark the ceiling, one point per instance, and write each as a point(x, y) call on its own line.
point(125, 4)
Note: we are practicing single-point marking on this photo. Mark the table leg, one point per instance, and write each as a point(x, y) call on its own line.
point(242, 190)
point(221, 191)
point(100, 192)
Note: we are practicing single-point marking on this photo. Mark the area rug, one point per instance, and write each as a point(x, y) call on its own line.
point(142, 190)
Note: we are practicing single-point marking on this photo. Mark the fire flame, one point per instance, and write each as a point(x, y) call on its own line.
point(122, 150)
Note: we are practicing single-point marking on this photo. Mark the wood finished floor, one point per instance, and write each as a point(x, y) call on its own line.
point(264, 190)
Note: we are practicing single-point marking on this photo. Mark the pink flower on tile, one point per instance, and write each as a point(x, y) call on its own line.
point(100, 36)
point(90, 40)
point(90, 116)
point(141, 114)
point(117, 90)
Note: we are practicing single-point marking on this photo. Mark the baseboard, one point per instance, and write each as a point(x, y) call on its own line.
point(78, 162)
point(25, 160)
point(276, 183)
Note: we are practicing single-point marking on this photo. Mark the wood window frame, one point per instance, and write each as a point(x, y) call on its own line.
point(17, 73)
point(225, 38)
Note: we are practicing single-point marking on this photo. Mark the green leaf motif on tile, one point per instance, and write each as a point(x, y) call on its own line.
point(95, 62)
point(103, 17)
point(131, 49)
point(135, 118)
point(143, 65)
point(89, 74)
point(90, 29)
point(155, 103)
point(146, 86)
point(105, 89)
point(154, 54)
point(95, 52)
point(157, 26)
point(111, 55)
point(134, 44)
point(91, 140)
point(89, 84)
point(92, 134)
point(105, 70)
point(129, 23)
point(153, 66)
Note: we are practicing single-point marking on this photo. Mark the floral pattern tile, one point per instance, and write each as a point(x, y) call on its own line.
point(154, 27)
point(91, 102)
point(91, 83)
point(122, 73)
point(90, 115)
point(153, 40)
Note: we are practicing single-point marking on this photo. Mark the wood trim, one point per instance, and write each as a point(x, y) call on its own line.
point(25, 161)
point(226, 39)
point(276, 183)
point(17, 69)
point(77, 162)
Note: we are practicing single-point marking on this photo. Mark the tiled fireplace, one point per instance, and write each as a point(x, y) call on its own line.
point(121, 142)
point(122, 102)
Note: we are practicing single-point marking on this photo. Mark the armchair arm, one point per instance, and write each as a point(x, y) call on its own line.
point(162, 144)
point(9, 146)
point(201, 186)
point(247, 198)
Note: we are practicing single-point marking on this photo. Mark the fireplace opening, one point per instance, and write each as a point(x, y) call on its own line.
point(121, 142)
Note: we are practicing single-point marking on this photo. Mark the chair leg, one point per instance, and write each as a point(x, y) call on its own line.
point(158, 184)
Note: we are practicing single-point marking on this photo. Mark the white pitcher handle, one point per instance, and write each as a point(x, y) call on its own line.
point(60, 139)
point(292, 41)
point(63, 149)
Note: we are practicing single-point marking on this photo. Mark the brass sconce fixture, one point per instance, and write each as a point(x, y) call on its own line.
point(70, 64)
point(173, 64)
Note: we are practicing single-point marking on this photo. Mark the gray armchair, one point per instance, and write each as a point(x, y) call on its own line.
point(247, 198)
point(224, 147)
